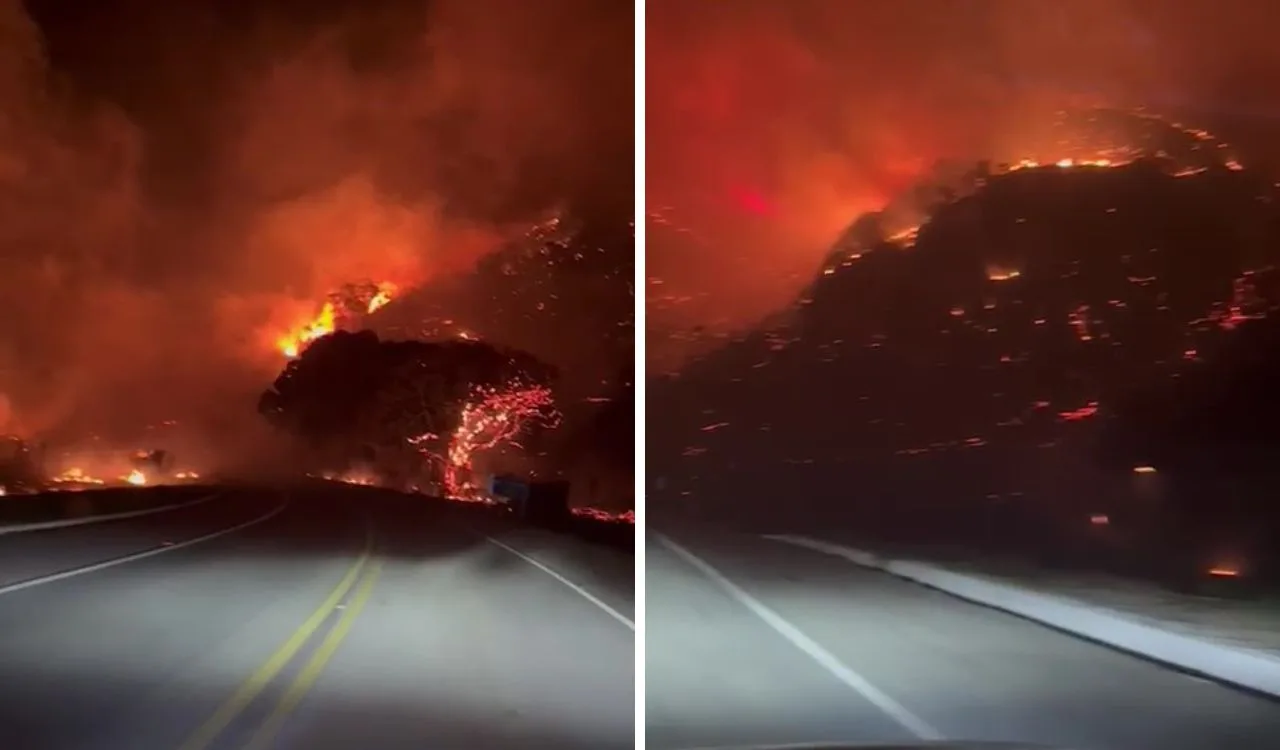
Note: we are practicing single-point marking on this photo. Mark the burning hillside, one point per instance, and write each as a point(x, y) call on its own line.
point(978, 348)
point(571, 274)
point(769, 125)
point(689, 318)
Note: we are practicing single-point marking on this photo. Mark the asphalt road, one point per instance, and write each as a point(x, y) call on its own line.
point(325, 619)
point(757, 643)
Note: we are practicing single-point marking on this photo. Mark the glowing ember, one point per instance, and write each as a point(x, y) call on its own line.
point(596, 514)
point(906, 237)
point(1084, 412)
point(996, 273)
point(493, 417)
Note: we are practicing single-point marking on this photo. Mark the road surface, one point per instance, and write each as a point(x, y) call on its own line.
point(321, 619)
point(752, 642)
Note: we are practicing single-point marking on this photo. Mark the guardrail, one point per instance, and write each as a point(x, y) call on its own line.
point(51, 510)
point(1250, 669)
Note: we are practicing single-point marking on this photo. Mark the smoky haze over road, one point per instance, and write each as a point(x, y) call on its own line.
point(804, 647)
point(336, 617)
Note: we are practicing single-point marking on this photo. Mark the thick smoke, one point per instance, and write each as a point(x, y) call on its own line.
point(179, 185)
point(772, 124)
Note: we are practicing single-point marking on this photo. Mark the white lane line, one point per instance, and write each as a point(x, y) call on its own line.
point(19, 528)
point(32, 582)
point(615, 614)
point(819, 745)
point(825, 659)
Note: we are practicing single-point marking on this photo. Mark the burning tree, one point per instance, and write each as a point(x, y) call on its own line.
point(343, 306)
point(355, 397)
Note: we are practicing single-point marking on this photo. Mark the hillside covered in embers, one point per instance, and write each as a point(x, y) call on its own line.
point(975, 359)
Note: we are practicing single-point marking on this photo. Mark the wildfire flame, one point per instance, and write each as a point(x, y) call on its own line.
point(136, 478)
point(76, 475)
point(1075, 154)
point(326, 321)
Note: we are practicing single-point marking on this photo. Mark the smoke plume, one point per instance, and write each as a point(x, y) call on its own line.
point(771, 125)
point(182, 183)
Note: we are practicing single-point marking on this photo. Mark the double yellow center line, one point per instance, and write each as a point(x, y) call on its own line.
point(366, 573)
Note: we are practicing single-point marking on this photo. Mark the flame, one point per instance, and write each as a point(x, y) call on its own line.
point(136, 478)
point(325, 322)
point(1092, 157)
point(76, 475)
point(1068, 163)
point(321, 325)
point(382, 297)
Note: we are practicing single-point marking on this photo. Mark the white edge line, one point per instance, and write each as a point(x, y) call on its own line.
point(819, 745)
point(1097, 624)
point(615, 614)
point(825, 659)
point(32, 582)
point(63, 524)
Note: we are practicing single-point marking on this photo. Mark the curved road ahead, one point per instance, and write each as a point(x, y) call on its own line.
point(326, 619)
point(754, 642)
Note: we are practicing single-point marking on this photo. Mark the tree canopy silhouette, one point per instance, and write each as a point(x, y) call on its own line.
point(355, 394)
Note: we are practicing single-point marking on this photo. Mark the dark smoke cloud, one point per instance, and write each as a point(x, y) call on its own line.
point(180, 183)
point(772, 123)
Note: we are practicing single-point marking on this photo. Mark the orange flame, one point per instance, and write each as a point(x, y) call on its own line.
point(326, 322)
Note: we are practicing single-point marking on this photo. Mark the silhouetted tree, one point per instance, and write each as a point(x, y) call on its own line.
point(358, 395)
